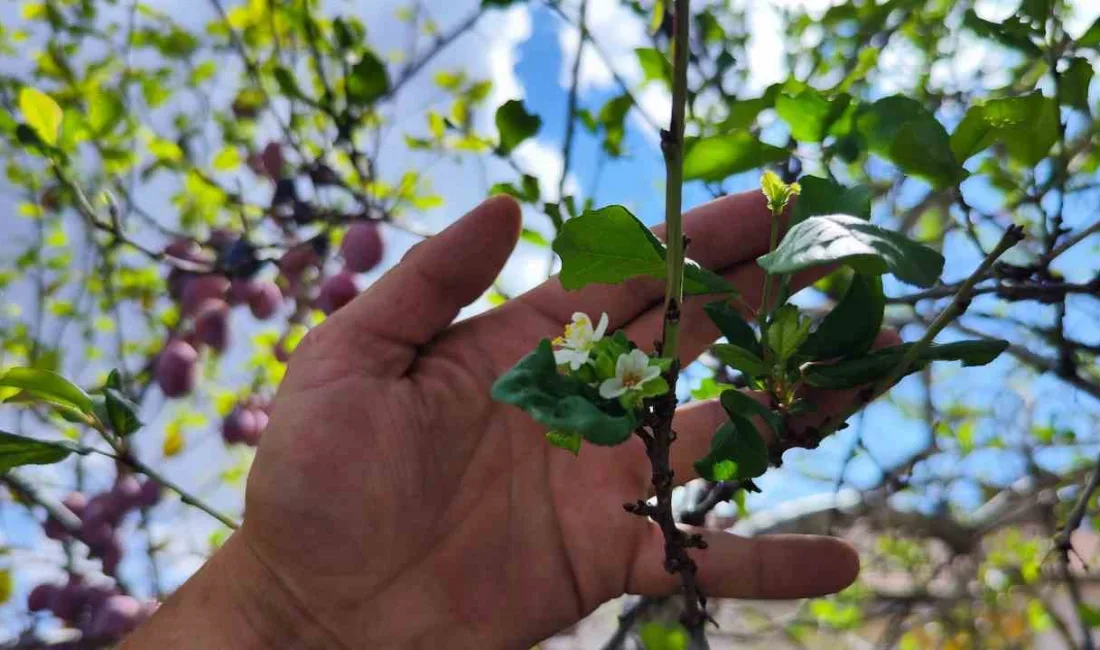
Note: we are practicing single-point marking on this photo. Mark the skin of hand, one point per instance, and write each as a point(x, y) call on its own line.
point(393, 504)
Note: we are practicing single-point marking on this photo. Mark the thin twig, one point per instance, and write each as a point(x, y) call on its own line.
point(440, 44)
point(677, 542)
point(1077, 514)
point(571, 106)
point(55, 509)
point(1013, 235)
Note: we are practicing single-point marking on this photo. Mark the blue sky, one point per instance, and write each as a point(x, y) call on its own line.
point(520, 50)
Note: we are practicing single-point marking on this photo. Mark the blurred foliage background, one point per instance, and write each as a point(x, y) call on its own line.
point(191, 186)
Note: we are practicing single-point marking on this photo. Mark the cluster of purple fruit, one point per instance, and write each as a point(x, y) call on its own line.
point(246, 422)
point(205, 299)
point(100, 612)
point(101, 515)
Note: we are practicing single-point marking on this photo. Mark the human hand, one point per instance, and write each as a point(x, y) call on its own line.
point(392, 503)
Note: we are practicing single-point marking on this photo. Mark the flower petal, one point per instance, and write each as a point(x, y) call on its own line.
point(601, 328)
point(612, 388)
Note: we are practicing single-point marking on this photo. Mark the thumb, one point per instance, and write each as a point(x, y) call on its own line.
point(415, 300)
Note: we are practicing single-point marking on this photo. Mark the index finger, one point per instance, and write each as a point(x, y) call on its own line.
point(723, 234)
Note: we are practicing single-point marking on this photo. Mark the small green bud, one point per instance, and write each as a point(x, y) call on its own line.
point(778, 192)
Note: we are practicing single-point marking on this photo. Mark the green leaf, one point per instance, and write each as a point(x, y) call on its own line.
point(105, 111)
point(121, 412)
point(709, 389)
point(655, 65)
point(561, 402)
point(347, 35)
point(1028, 127)
point(226, 159)
point(736, 441)
point(288, 85)
point(852, 326)
point(880, 363)
point(612, 117)
point(18, 450)
point(1037, 10)
point(863, 246)
point(740, 359)
point(610, 245)
point(809, 114)
point(368, 81)
point(656, 17)
point(515, 125)
point(821, 196)
point(1090, 615)
point(1074, 83)
point(48, 386)
point(1013, 32)
point(732, 326)
point(41, 113)
point(787, 331)
point(903, 131)
point(534, 237)
point(567, 440)
point(738, 404)
point(714, 158)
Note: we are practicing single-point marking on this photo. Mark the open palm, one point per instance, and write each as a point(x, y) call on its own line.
point(395, 504)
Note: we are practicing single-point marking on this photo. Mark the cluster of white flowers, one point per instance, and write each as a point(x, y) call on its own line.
point(574, 349)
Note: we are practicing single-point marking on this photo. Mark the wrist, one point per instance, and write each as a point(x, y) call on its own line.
point(234, 601)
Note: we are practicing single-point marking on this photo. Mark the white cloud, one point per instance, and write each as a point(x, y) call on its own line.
point(618, 32)
point(509, 30)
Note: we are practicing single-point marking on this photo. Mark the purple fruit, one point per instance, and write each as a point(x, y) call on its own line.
point(272, 160)
point(261, 419)
point(176, 368)
point(42, 597)
point(96, 535)
point(96, 595)
point(264, 299)
point(67, 601)
point(76, 502)
point(212, 324)
point(362, 247)
point(239, 289)
point(240, 425)
point(126, 491)
point(176, 281)
point(110, 555)
point(54, 530)
point(296, 260)
point(117, 616)
point(184, 249)
point(150, 494)
point(337, 291)
point(103, 508)
point(201, 288)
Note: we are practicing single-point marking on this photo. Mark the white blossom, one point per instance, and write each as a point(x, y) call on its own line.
point(574, 347)
point(632, 370)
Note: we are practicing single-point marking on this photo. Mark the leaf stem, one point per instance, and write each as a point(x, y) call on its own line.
point(672, 146)
point(764, 296)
